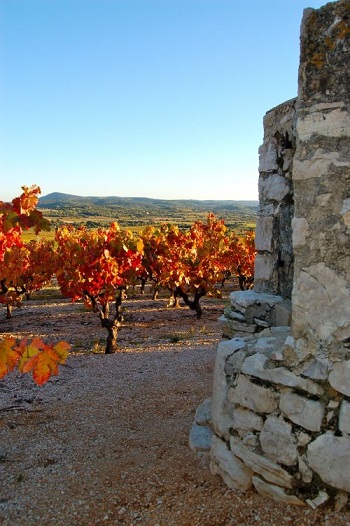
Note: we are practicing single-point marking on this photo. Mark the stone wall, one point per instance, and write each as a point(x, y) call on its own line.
point(279, 417)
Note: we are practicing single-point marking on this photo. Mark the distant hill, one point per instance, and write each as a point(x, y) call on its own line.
point(138, 212)
point(57, 199)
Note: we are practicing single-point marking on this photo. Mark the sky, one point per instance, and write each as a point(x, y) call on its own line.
point(142, 98)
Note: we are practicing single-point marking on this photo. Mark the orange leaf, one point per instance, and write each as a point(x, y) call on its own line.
point(9, 355)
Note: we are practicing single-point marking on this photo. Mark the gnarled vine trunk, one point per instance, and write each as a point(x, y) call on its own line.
point(193, 304)
point(112, 324)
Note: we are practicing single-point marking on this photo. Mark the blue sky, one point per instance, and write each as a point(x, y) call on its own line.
point(152, 98)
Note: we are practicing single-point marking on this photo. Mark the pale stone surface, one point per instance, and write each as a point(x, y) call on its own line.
point(235, 474)
point(334, 123)
point(301, 231)
point(316, 166)
point(329, 310)
point(316, 369)
point(243, 299)
point(264, 233)
point(329, 456)
point(273, 188)
point(245, 419)
point(265, 266)
point(321, 498)
point(275, 492)
point(234, 363)
point(344, 417)
point(268, 157)
point(254, 366)
point(339, 377)
point(283, 313)
point(203, 413)
point(200, 437)
point(302, 411)
point(252, 396)
point(261, 465)
point(221, 420)
point(278, 442)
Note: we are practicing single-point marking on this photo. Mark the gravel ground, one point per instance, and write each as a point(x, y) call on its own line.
point(106, 442)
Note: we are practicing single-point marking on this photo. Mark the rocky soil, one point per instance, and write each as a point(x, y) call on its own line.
point(106, 441)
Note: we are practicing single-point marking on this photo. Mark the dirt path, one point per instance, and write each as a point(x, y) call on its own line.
point(106, 442)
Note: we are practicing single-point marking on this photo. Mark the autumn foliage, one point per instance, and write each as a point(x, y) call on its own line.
point(24, 269)
point(97, 267)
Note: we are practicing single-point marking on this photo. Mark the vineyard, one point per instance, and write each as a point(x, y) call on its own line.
point(101, 267)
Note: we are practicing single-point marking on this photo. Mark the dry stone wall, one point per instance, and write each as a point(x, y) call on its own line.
point(279, 417)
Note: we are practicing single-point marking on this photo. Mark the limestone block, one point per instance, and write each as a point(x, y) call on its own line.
point(317, 165)
point(278, 442)
point(221, 420)
point(264, 267)
point(321, 303)
point(235, 474)
point(321, 498)
point(275, 492)
point(246, 420)
point(230, 328)
point(339, 377)
point(271, 471)
point(316, 369)
point(283, 313)
point(254, 366)
point(329, 456)
point(302, 411)
point(274, 188)
point(200, 437)
point(203, 413)
point(252, 396)
point(243, 299)
point(264, 234)
point(329, 123)
point(344, 417)
point(301, 231)
point(234, 363)
point(268, 157)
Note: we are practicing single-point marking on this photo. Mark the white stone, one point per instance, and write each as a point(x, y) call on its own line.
point(329, 456)
point(235, 474)
point(302, 411)
point(252, 396)
point(278, 442)
point(344, 417)
point(316, 369)
point(203, 412)
point(329, 310)
point(261, 465)
point(316, 166)
point(242, 299)
point(275, 492)
point(200, 438)
point(264, 233)
point(321, 498)
point(264, 267)
point(339, 377)
point(301, 231)
point(254, 366)
point(274, 188)
point(268, 157)
point(246, 420)
point(334, 123)
point(221, 420)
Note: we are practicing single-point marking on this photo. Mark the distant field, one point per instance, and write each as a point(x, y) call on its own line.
point(137, 213)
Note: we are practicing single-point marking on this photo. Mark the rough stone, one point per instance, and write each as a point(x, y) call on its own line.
point(316, 369)
point(274, 188)
point(252, 396)
point(202, 416)
point(302, 411)
point(339, 377)
point(271, 471)
point(264, 234)
point(278, 442)
point(221, 420)
point(246, 298)
point(200, 437)
point(305, 471)
point(254, 366)
point(246, 420)
point(344, 417)
point(235, 474)
point(275, 492)
point(329, 456)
